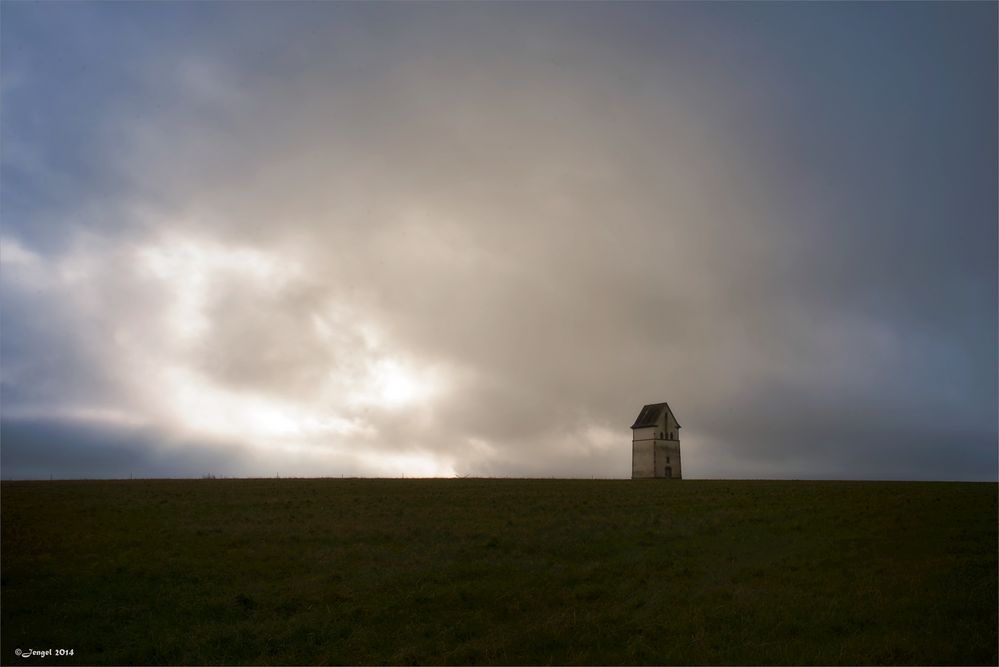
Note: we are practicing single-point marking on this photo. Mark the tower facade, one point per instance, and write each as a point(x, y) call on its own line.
point(655, 444)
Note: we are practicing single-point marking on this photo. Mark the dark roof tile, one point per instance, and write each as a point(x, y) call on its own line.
point(649, 416)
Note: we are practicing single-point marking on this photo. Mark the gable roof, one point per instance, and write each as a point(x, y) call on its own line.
point(649, 416)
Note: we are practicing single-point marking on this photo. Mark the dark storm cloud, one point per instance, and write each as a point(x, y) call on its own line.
point(780, 218)
point(36, 449)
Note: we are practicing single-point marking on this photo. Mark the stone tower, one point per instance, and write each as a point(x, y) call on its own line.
point(655, 444)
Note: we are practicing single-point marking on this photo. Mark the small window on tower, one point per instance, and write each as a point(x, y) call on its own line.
point(667, 459)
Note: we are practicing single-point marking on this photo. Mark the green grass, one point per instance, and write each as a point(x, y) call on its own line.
point(500, 571)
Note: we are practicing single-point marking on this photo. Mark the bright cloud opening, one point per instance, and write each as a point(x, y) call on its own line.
point(396, 386)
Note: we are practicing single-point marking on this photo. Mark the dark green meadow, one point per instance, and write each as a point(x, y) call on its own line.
point(500, 572)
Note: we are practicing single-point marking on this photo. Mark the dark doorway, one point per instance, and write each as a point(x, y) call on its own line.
point(669, 472)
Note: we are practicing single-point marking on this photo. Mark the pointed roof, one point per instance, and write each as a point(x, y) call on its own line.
point(649, 416)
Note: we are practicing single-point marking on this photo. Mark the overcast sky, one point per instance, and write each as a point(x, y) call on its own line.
point(441, 238)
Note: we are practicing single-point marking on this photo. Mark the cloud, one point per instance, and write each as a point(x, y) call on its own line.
point(394, 240)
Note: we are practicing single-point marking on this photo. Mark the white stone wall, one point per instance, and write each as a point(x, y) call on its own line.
point(671, 428)
point(668, 456)
point(644, 433)
point(642, 459)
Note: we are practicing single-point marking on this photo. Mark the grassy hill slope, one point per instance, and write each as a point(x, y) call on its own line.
point(500, 571)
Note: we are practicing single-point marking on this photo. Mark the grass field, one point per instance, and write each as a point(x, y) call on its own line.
point(500, 571)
